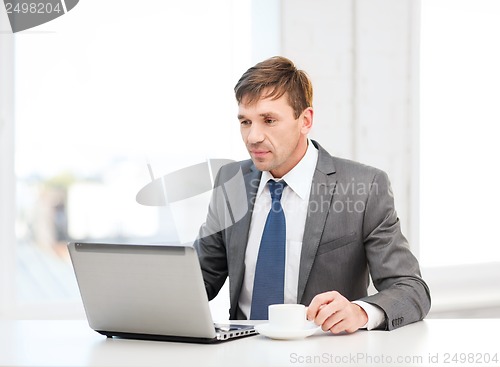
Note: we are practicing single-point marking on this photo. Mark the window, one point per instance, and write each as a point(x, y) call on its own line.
point(97, 98)
point(460, 118)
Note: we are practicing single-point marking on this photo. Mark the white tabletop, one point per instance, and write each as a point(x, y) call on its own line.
point(426, 343)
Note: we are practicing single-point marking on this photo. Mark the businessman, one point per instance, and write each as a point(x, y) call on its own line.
point(316, 225)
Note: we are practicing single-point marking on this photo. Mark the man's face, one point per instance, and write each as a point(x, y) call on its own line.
point(275, 139)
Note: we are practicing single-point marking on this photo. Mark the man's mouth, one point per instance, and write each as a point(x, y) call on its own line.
point(259, 153)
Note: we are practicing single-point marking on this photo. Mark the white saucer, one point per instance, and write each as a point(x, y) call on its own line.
point(274, 333)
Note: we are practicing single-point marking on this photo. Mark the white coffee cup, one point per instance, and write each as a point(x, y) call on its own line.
point(287, 316)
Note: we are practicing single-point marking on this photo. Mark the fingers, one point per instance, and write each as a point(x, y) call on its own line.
point(329, 311)
point(319, 302)
point(341, 321)
point(334, 312)
point(333, 322)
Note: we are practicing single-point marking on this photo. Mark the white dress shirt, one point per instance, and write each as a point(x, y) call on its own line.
point(295, 201)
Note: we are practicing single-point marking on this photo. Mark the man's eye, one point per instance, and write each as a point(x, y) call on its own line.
point(245, 122)
point(270, 121)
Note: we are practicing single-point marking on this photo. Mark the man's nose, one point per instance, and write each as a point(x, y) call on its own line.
point(255, 134)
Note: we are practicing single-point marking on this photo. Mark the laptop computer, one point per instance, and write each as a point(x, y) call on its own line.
point(152, 292)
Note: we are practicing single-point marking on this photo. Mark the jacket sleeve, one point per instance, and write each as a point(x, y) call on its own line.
point(210, 244)
point(402, 293)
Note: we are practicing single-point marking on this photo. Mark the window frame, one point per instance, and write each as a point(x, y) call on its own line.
point(7, 175)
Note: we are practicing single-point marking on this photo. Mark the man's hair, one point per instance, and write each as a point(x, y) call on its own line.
point(275, 77)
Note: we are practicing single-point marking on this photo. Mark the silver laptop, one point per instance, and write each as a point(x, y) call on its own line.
point(153, 292)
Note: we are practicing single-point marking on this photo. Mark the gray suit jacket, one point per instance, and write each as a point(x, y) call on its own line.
point(352, 230)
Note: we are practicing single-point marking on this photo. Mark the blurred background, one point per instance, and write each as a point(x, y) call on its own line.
point(88, 100)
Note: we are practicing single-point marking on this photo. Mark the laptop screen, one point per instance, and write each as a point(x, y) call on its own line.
point(142, 289)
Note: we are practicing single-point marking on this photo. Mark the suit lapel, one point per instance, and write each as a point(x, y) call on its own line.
point(322, 189)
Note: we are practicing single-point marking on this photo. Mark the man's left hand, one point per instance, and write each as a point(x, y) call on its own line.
point(332, 311)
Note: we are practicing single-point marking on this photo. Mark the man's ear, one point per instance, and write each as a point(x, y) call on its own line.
point(307, 120)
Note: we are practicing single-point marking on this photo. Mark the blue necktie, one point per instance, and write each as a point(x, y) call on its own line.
point(269, 282)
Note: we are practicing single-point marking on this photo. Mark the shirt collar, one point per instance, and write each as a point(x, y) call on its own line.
point(299, 178)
